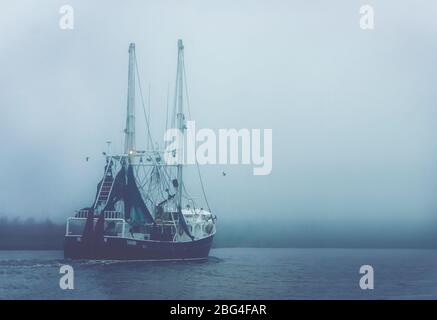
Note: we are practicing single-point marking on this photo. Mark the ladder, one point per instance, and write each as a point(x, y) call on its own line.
point(105, 187)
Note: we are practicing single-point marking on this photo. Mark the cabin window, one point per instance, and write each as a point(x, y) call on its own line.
point(76, 227)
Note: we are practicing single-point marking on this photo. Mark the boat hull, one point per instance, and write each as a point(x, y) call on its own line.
point(114, 248)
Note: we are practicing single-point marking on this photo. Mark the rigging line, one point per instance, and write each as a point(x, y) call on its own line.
point(168, 176)
point(197, 164)
point(166, 113)
point(173, 116)
point(187, 195)
point(145, 181)
point(149, 135)
point(148, 112)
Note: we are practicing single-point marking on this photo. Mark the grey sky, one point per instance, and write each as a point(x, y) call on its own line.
point(353, 112)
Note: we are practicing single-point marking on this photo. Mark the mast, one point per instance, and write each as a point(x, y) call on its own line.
point(129, 144)
point(180, 119)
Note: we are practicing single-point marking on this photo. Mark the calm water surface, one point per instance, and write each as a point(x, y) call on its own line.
point(228, 274)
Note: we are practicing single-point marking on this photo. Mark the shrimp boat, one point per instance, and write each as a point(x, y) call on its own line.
point(142, 210)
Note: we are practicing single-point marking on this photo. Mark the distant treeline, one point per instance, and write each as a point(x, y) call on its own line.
point(31, 234)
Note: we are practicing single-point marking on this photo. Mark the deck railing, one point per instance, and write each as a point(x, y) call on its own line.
point(108, 214)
